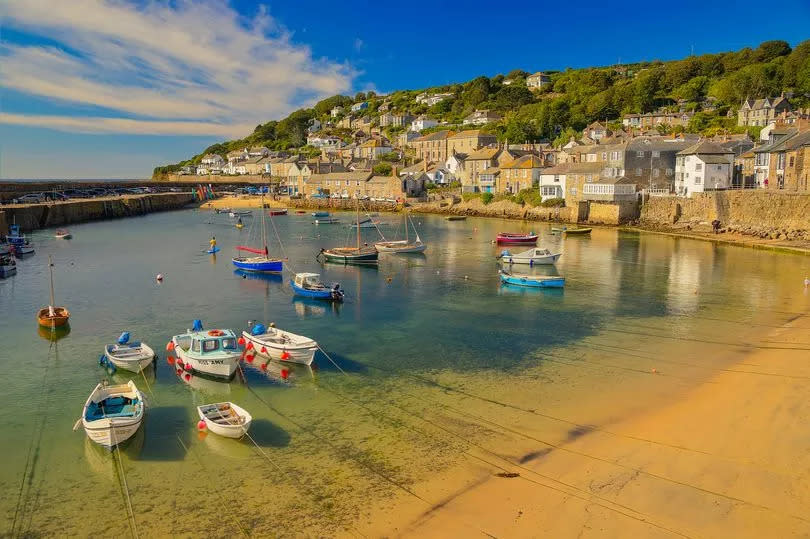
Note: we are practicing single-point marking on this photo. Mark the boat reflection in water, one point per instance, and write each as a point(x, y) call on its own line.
point(281, 371)
point(208, 386)
point(311, 308)
point(255, 277)
point(241, 449)
point(101, 460)
point(55, 333)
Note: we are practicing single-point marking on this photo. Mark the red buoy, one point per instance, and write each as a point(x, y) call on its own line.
point(285, 373)
point(264, 350)
point(249, 359)
point(188, 377)
point(179, 372)
point(201, 424)
point(170, 360)
point(187, 367)
point(241, 341)
point(249, 346)
point(285, 355)
point(264, 366)
point(170, 346)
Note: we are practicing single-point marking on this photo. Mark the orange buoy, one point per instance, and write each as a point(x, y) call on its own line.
point(170, 346)
point(285, 355)
point(241, 341)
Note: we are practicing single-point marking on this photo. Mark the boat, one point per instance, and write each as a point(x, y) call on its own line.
point(567, 231)
point(455, 218)
point(63, 234)
point(352, 255)
point(14, 236)
point(214, 353)
point(237, 213)
point(531, 257)
point(213, 250)
point(23, 250)
point(275, 343)
point(327, 221)
point(225, 419)
point(239, 225)
point(309, 285)
point(320, 214)
point(278, 211)
point(509, 237)
point(8, 266)
point(257, 263)
point(51, 316)
point(130, 356)
point(223, 210)
point(402, 246)
point(112, 414)
point(535, 281)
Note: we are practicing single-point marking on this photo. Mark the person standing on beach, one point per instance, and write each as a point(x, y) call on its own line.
point(213, 242)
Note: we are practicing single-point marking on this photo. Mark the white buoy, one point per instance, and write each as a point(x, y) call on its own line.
point(159, 277)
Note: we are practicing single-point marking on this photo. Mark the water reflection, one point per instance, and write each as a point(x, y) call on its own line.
point(54, 334)
point(101, 460)
point(309, 307)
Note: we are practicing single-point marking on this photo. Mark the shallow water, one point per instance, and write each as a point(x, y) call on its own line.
point(440, 367)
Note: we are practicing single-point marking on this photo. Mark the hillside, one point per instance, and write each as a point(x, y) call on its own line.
point(573, 98)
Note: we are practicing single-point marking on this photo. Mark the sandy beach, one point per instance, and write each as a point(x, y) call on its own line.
point(728, 458)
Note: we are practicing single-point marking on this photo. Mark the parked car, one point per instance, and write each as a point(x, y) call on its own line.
point(30, 198)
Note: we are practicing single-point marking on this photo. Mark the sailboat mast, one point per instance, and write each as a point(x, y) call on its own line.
point(406, 225)
point(50, 268)
point(358, 224)
point(264, 237)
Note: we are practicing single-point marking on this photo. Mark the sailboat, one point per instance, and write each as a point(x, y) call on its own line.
point(258, 263)
point(50, 316)
point(402, 246)
point(352, 255)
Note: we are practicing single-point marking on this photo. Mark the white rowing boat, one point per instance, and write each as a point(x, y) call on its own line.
point(112, 414)
point(531, 257)
point(278, 344)
point(225, 418)
point(130, 356)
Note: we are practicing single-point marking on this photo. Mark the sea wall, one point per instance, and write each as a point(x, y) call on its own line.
point(3, 223)
point(34, 216)
point(216, 178)
point(757, 213)
point(603, 213)
point(335, 204)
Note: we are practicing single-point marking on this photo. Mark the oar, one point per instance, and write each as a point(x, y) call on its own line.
point(77, 424)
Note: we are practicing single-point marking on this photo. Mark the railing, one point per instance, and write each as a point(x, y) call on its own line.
point(658, 192)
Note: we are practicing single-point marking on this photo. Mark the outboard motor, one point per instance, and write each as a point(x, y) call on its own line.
point(124, 338)
point(197, 325)
point(258, 329)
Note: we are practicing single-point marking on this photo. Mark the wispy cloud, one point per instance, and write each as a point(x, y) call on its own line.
point(189, 67)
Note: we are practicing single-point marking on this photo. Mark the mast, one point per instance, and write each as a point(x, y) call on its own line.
point(358, 224)
point(50, 267)
point(264, 237)
point(406, 225)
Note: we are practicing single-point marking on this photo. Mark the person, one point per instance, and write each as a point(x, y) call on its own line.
point(239, 221)
point(806, 282)
point(213, 242)
point(716, 226)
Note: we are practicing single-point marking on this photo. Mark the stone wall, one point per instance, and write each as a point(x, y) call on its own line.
point(3, 223)
point(606, 213)
point(755, 212)
point(34, 216)
point(217, 178)
point(345, 204)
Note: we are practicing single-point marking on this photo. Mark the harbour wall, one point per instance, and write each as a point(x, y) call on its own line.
point(35, 216)
point(757, 213)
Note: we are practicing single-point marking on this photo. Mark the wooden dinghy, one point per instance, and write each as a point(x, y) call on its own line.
point(278, 344)
point(225, 419)
point(51, 316)
point(112, 414)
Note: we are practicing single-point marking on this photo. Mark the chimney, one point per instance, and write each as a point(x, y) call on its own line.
point(394, 171)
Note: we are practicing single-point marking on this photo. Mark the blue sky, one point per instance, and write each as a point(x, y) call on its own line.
point(95, 88)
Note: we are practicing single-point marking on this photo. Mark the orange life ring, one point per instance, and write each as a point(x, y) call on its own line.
point(216, 333)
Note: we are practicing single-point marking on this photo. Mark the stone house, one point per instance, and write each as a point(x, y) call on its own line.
point(433, 146)
point(761, 112)
point(373, 149)
point(596, 131)
point(619, 189)
point(654, 119)
point(702, 167)
point(254, 165)
point(537, 80)
point(651, 162)
point(762, 154)
point(347, 184)
point(404, 139)
point(236, 156)
point(469, 140)
point(483, 159)
point(787, 168)
point(520, 173)
point(576, 176)
point(743, 176)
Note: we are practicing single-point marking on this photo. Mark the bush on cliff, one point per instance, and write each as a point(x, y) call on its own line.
point(486, 198)
point(554, 203)
point(530, 196)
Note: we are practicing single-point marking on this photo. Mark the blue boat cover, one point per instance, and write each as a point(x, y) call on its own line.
point(258, 329)
point(197, 325)
point(124, 338)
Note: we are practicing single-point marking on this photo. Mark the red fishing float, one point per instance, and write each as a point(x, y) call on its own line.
point(285, 355)
point(188, 377)
point(240, 341)
point(249, 359)
point(201, 425)
point(249, 346)
point(170, 346)
point(264, 350)
point(285, 374)
point(179, 372)
point(264, 366)
point(170, 360)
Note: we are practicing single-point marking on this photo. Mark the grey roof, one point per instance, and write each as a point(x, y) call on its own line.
point(705, 147)
point(714, 159)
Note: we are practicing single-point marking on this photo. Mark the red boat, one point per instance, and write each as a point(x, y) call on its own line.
point(507, 237)
point(278, 211)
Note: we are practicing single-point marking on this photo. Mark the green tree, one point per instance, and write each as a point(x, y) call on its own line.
point(475, 92)
point(768, 50)
point(382, 169)
point(512, 97)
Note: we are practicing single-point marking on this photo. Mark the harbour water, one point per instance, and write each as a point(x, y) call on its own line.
point(441, 371)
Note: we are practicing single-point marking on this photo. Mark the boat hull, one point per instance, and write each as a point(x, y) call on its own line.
point(257, 265)
point(515, 239)
point(328, 295)
point(136, 363)
point(363, 257)
point(400, 247)
point(7, 271)
point(303, 353)
point(533, 282)
point(60, 318)
point(327, 221)
point(531, 261)
point(235, 431)
point(111, 431)
point(222, 366)
point(320, 214)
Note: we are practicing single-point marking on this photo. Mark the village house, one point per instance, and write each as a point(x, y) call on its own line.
point(346, 122)
point(236, 156)
point(258, 151)
point(469, 140)
point(395, 119)
point(432, 146)
point(373, 149)
point(432, 99)
point(654, 119)
point(602, 189)
point(482, 117)
point(404, 139)
point(423, 122)
point(518, 174)
point(702, 167)
point(786, 162)
point(335, 112)
point(761, 112)
point(650, 162)
point(322, 141)
point(744, 171)
point(762, 154)
point(482, 168)
point(454, 164)
point(414, 186)
point(253, 165)
point(552, 181)
point(577, 175)
point(346, 184)
point(596, 131)
point(537, 80)
point(359, 106)
point(383, 188)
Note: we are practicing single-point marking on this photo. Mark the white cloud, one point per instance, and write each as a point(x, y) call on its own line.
point(189, 67)
point(358, 44)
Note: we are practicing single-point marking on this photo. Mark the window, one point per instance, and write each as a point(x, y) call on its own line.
point(640, 153)
point(656, 172)
point(604, 156)
point(589, 178)
point(668, 172)
point(229, 343)
point(719, 168)
point(698, 167)
point(210, 346)
point(791, 161)
point(556, 178)
point(195, 346)
point(697, 180)
point(638, 172)
point(656, 154)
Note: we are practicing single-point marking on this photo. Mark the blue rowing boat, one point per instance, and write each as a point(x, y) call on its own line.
point(320, 214)
point(309, 285)
point(534, 281)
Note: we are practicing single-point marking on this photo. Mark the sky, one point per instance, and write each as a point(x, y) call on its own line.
point(113, 88)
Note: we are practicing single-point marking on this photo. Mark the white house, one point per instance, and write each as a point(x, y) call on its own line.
point(423, 122)
point(437, 98)
point(440, 175)
point(703, 167)
point(552, 181)
point(258, 151)
point(482, 117)
point(455, 163)
point(538, 80)
point(237, 155)
point(359, 106)
point(324, 141)
point(335, 112)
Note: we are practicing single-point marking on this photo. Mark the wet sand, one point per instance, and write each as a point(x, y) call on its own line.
point(730, 457)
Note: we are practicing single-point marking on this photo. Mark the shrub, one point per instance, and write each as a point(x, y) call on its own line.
point(383, 169)
point(486, 198)
point(466, 197)
point(554, 203)
point(529, 196)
